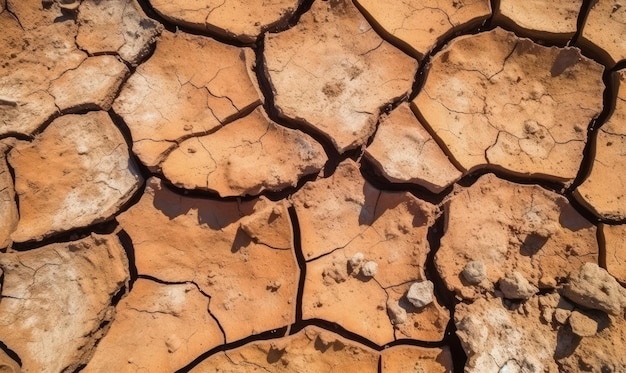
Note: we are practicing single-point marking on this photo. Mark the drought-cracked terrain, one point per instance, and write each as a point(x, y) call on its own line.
point(312, 186)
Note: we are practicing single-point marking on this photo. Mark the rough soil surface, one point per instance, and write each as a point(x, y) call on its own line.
point(388, 229)
point(76, 173)
point(404, 152)
point(35, 51)
point(55, 300)
point(9, 216)
point(311, 349)
point(240, 254)
point(241, 20)
point(190, 86)
point(497, 100)
point(332, 72)
point(115, 26)
point(246, 157)
point(551, 20)
point(539, 336)
point(521, 229)
point(400, 359)
point(312, 186)
point(604, 189)
point(75, 90)
point(615, 240)
point(403, 22)
point(158, 327)
point(603, 30)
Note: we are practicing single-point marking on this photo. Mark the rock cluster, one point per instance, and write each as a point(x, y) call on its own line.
point(525, 238)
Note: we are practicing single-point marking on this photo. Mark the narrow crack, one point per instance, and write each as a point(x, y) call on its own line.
point(297, 239)
point(12, 354)
point(609, 102)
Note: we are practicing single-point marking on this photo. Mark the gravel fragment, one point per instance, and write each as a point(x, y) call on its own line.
point(356, 260)
point(369, 269)
point(583, 325)
point(420, 294)
point(515, 286)
point(396, 313)
point(593, 287)
point(474, 272)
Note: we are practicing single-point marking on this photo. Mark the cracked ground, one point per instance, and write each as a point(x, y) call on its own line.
point(312, 186)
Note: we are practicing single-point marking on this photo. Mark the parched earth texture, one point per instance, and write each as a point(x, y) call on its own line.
point(312, 186)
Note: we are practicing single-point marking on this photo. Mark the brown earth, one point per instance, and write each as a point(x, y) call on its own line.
point(312, 185)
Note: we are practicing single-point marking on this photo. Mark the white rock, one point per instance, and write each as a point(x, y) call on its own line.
point(369, 269)
point(474, 272)
point(356, 260)
point(420, 294)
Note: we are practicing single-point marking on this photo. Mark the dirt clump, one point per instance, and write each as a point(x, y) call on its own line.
point(593, 287)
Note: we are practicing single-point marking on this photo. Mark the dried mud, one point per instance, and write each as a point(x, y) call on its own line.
point(312, 185)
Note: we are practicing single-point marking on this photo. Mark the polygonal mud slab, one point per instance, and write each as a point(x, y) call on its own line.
point(403, 359)
point(358, 305)
point(35, 50)
point(76, 173)
point(496, 100)
point(343, 208)
point(512, 228)
point(116, 26)
point(91, 86)
point(604, 189)
point(541, 20)
point(157, 328)
point(496, 339)
point(56, 301)
point(310, 350)
point(615, 248)
point(427, 323)
point(8, 209)
point(238, 253)
point(404, 152)
point(345, 216)
point(246, 157)
point(333, 73)
point(190, 86)
point(604, 29)
point(241, 20)
point(418, 25)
